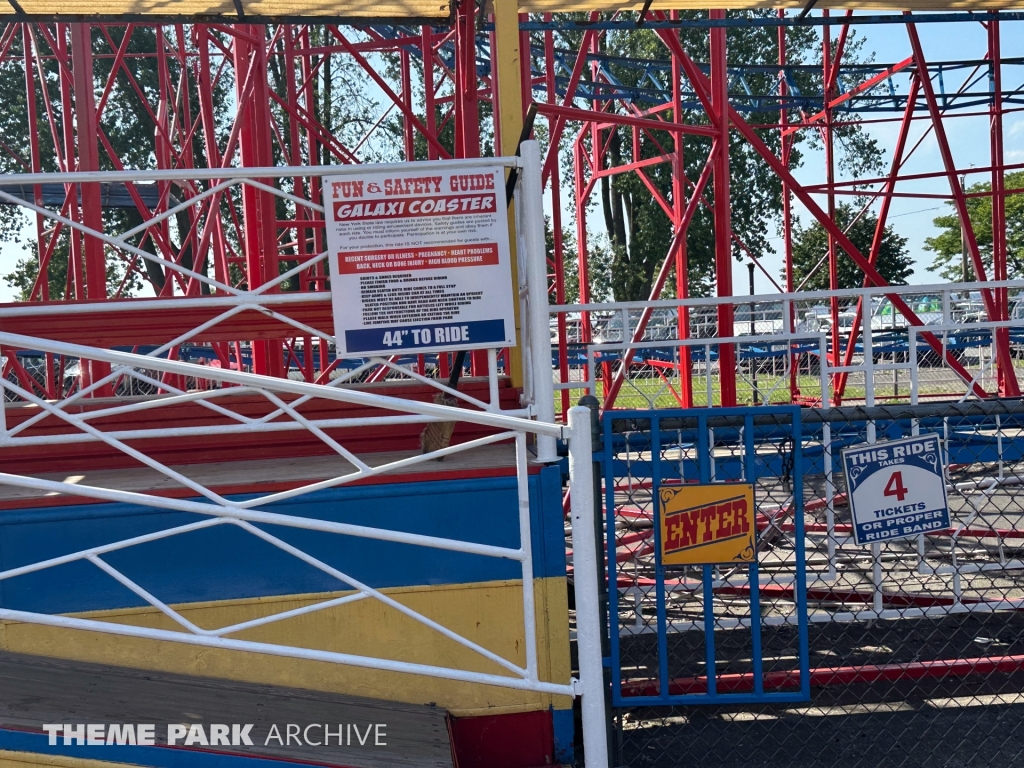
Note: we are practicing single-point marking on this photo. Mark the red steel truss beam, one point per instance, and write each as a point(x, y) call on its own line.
point(867, 85)
point(602, 120)
point(678, 242)
point(1003, 352)
point(558, 127)
point(1006, 378)
point(189, 62)
point(702, 86)
point(718, 89)
point(876, 242)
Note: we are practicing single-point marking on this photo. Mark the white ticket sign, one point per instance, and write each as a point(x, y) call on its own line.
point(419, 260)
point(896, 489)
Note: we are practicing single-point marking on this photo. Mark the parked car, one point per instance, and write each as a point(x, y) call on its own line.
point(969, 311)
point(886, 317)
point(662, 326)
point(815, 319)
point(766, 319)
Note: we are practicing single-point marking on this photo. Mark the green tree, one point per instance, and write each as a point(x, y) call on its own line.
point(599, 266)
point(810, 252)
point(948, 246)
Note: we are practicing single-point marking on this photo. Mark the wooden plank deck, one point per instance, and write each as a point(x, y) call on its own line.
point(36, 690)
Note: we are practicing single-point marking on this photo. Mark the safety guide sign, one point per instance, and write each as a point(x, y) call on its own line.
point(419, 260)
point(896, 489)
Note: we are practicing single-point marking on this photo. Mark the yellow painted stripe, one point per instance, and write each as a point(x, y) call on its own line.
point(10, 759)
point(489, 614)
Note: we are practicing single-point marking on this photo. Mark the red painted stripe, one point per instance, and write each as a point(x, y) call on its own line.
point(972, 533)
point(107, 323)
point(632, 538)
point(78, 457)
point(624, 552)
point(889, 599)
point(512, 740)
point(778, 591)
point(822, 677)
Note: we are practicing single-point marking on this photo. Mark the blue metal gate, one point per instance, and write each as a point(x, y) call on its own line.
point(701, 634)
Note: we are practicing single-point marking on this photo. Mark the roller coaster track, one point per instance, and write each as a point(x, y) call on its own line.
point(960, 85)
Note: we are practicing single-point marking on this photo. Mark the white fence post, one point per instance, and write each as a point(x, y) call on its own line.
point(588, 610)
point(536, 260)
point(3, 403)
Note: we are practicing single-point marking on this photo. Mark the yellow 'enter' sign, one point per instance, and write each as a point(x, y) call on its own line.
point(705, 524)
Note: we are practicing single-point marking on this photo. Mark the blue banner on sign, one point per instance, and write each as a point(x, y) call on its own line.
point(896, 489)
point(434, 336)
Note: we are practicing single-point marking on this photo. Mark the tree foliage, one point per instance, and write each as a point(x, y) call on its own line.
point(810, 252)
point(947, 245)
point(599, 261)
point(127, 125)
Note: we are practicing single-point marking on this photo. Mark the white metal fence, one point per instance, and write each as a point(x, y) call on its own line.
point(631, 354)
point(230, 296)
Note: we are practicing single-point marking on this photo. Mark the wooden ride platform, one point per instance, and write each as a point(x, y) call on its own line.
point(222, 571)
point(36, 690)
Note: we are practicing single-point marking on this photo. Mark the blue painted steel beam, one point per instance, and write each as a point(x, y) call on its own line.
point(626, 24)
point(754, 88)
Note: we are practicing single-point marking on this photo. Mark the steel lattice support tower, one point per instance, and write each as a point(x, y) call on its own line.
point(444, 84)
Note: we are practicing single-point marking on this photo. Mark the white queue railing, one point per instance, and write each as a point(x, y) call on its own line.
point(771, 319)
point(226, 301)
point(248, 515)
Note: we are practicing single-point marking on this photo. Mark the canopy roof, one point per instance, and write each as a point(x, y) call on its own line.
point(362, 11)
point(225, 11)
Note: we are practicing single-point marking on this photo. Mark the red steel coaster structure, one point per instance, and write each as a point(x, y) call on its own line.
point(245, 92)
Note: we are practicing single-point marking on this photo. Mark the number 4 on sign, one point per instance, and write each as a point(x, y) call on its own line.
point(895, 486)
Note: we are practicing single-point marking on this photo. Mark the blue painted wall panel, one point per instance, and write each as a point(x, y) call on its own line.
point(225, 562)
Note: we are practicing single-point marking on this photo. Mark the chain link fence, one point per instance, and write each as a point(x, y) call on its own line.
point(915, 646)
